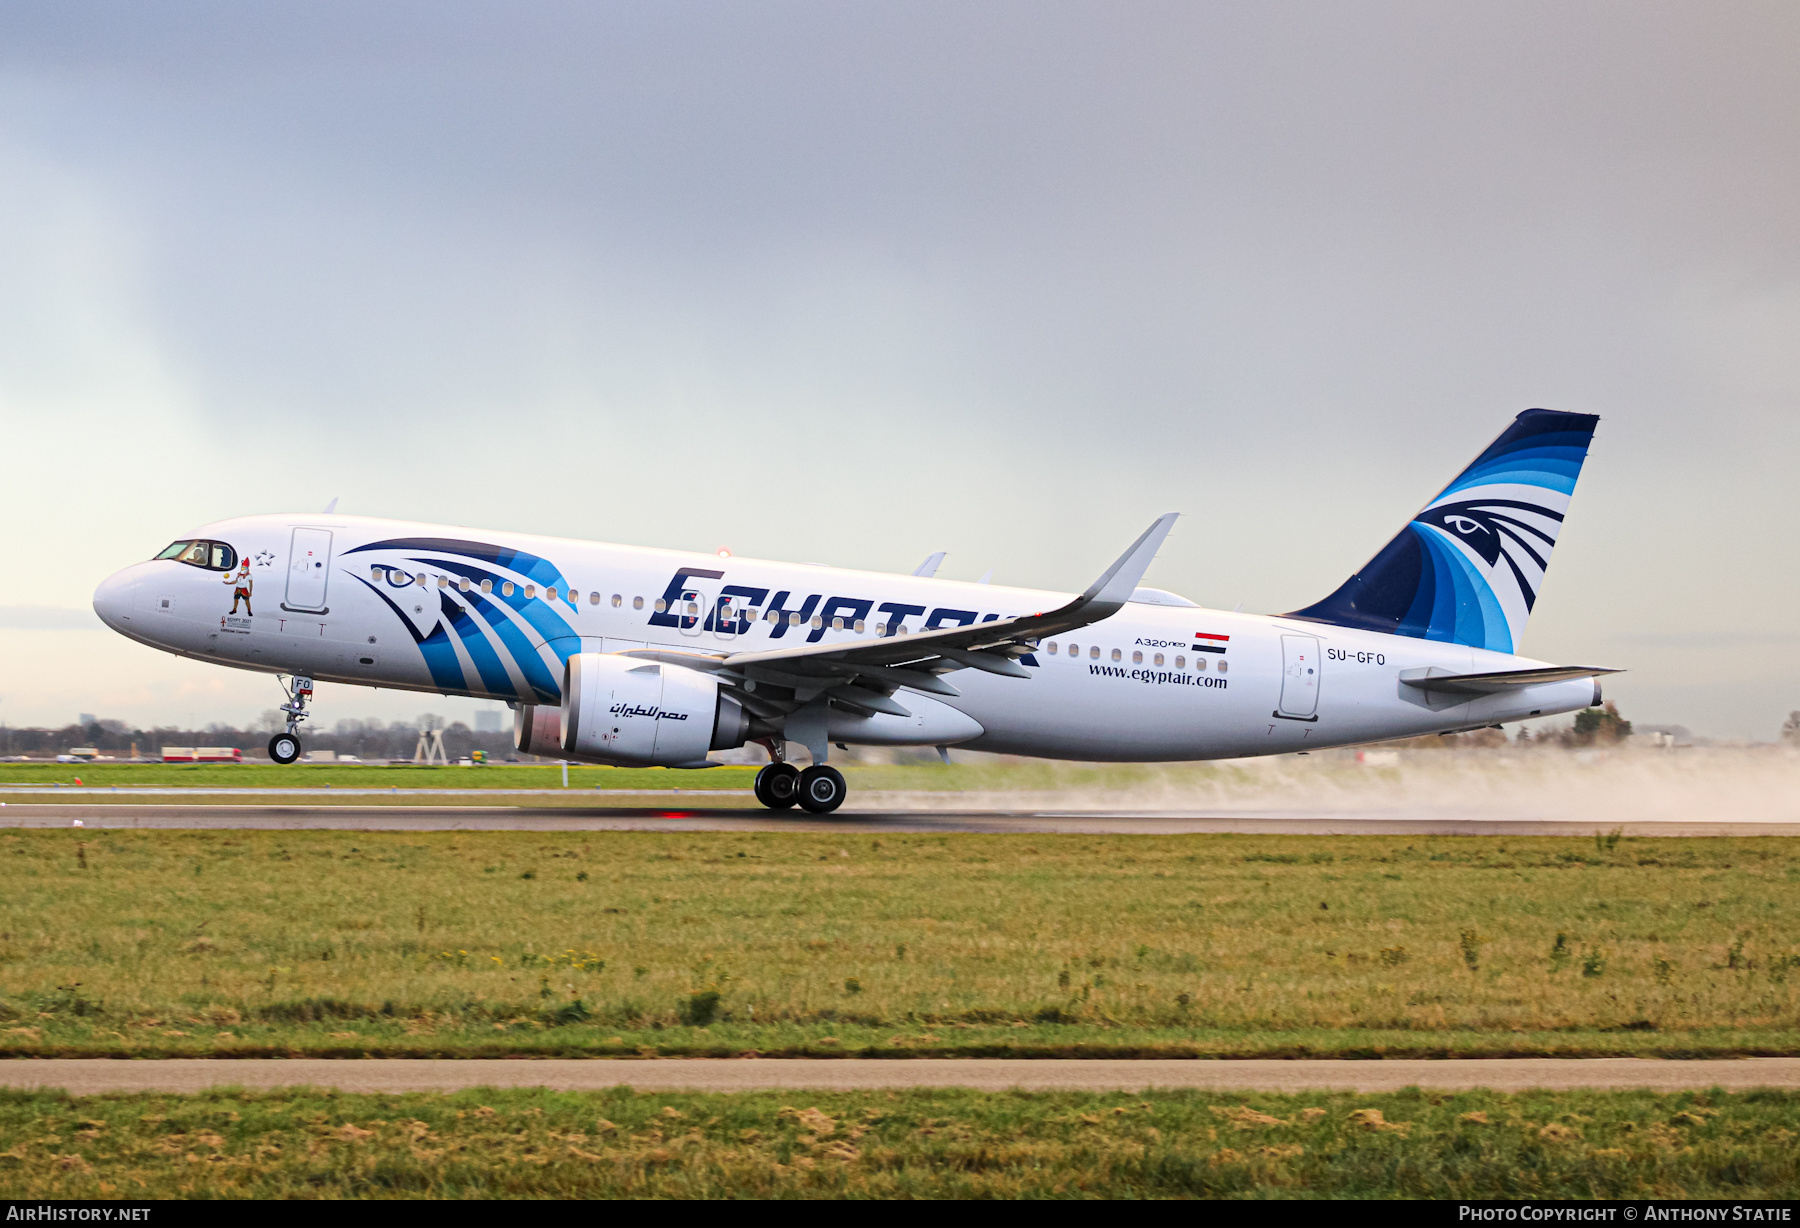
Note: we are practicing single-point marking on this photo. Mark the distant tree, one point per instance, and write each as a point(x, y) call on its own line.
point(1790, 728)
point(1599, 727)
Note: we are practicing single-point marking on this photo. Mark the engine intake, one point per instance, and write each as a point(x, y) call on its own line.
point(624, 710)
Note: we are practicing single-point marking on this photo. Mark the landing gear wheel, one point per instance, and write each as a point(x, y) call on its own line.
point(822, 789)
point(778, 786)
point(284, 748)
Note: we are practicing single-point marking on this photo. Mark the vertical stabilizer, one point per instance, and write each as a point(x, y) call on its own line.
point(1467, 569)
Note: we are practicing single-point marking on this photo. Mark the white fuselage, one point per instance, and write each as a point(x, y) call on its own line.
point(324, 601)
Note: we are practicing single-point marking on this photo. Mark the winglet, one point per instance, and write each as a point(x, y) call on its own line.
point(1115, 586)
point(929, 567)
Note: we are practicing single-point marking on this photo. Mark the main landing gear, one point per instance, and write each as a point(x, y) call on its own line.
point(285, 747)
point(819, 789)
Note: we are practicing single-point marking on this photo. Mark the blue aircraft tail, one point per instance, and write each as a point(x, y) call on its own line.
point(1467, 569)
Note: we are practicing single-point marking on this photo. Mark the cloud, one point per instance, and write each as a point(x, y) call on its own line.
point(818, 281)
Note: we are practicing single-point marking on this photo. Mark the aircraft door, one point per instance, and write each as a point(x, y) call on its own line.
point(1300, 662)
point(309, 571)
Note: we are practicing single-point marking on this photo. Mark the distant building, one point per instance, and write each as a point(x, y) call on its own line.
point(85, 719)
point(489, 720)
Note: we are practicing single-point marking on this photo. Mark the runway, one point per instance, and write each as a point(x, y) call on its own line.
point(92, 1077)
point(401, 817)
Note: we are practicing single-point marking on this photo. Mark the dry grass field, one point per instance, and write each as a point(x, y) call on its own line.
point(492, 943)
point(921, 1144)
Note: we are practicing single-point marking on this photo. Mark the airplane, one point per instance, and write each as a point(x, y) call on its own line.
point(632, 656)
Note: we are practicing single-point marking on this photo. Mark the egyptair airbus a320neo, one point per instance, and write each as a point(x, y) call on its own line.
point(629, 655)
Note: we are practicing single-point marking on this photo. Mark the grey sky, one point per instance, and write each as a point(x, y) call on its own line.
point(855, 283)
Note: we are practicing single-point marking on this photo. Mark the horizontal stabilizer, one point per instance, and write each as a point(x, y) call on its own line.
point(1436, 678)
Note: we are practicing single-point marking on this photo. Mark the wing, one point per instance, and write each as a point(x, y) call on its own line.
point(863, 675)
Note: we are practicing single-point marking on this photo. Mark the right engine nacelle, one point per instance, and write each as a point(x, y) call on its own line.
point(626, 710)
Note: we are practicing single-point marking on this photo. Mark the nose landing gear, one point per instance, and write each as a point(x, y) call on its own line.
point(285, 747)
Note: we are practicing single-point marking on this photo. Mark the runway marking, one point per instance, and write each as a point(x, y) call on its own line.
point(409, 818)
point(89, 1077)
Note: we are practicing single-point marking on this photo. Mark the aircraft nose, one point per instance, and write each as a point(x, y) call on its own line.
point(113, 599)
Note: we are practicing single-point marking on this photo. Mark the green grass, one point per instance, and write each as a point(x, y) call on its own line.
point(489, 943)
point(922, 1144)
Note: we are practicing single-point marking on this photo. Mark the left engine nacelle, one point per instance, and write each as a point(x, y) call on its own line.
point(630, 711)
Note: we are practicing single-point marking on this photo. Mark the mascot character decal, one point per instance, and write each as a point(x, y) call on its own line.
point(241, 585)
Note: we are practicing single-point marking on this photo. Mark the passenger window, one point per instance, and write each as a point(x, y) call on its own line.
point(487, 586)
point(1200, 663)
point(530, 592)
point(617, 600)
point(1180, 662)
point(637, 603)
point(1074, 650)
point(837, 624)
point(594, 599)
point(1094, 652)
point(506, 588)
point(550, 593)
point(462, 585)
point(1116, 654)
point(377, 574)
point(1158, 660)
point(661, 606)
point(858, 627)
point(817, 622)
point(1221, 667)
point(443, 581)
point(1137, 658)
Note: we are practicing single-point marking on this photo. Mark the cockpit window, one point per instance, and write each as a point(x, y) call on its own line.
point(214, 556)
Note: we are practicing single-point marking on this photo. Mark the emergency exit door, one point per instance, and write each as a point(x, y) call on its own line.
point(309, 571)
point(1300, 661)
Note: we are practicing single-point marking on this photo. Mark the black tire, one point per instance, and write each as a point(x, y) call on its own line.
point(778, 786)
point(284, 748)
point(822, 789)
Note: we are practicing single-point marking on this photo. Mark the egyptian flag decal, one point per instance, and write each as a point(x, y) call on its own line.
point(1207, 642)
